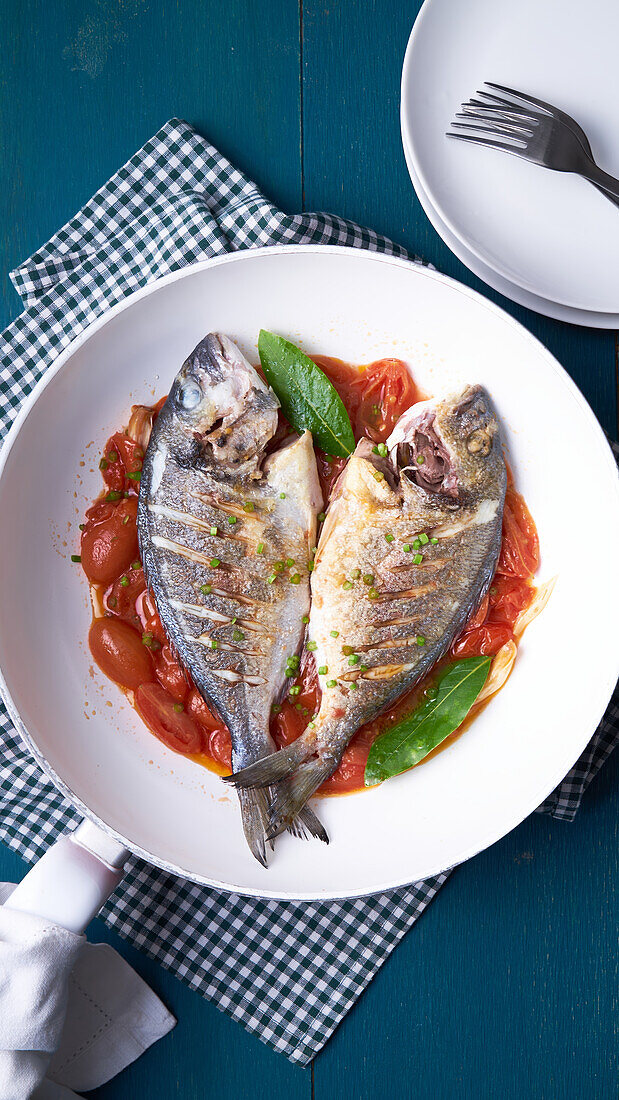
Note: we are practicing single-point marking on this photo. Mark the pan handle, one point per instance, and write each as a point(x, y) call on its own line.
point(70, 883)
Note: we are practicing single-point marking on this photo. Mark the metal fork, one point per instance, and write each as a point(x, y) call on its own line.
point(532, 129)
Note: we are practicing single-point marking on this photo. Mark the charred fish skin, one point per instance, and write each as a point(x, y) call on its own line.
point(406, 555)
point(217, 523)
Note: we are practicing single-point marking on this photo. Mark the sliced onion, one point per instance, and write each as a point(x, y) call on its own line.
point(538, 603)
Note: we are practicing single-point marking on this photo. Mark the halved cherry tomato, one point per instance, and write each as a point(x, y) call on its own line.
point(149, 617)
point(118, 650)
point(171, 674)
point(484, 640)
point(375, 396)
point(110, 541)
point(170, 724)
point(121, 597)
point(121, 457)
point(508, 597)
point(219, 747)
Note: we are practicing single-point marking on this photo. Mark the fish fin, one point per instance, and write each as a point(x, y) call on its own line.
point(307, 824)
point(291, 797)
point(271, 769)
point(255, 816)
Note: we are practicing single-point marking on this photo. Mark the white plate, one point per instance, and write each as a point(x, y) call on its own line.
point(588, 318)
point(550, 233)
point(358, 306)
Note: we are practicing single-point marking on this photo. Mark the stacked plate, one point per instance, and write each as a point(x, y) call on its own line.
point(547, 240)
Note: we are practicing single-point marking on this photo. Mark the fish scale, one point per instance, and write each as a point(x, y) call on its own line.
point(231, 627)
point(382, 616)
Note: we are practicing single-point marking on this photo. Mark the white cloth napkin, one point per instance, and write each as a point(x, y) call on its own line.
point(72, 1014)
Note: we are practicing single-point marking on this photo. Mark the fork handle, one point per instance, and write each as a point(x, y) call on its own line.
point(602, 180)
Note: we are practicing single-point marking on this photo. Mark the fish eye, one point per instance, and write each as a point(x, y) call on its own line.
point(189, 395)
point(479, 442)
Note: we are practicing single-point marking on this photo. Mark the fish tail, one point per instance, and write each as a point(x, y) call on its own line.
point(271, 769)
point(290, 798)
point(307, 823)
point(255, 815)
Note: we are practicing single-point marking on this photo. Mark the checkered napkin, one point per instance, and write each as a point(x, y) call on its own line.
point(287, 971)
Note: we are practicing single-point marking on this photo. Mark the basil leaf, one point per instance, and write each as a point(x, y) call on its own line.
point(307, 397)
point(406, 743)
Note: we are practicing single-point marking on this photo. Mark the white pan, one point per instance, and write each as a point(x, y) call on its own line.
point(138, 796)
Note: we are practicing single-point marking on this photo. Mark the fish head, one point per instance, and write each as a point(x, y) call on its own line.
point(451, 448)
point(219, 408)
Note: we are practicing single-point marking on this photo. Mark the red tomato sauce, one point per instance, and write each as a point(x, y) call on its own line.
point(129, 644)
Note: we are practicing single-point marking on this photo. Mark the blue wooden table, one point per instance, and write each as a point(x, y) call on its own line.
point(505, 988)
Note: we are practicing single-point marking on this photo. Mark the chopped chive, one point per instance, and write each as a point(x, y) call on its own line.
point(373, 594)
point(420, 639)
point(178, 707)
point(260, 548)
point(76, 557)
point(282, 496)
point(295, 689)
point(493, 591)
point(389, 536)
point(322, 516)
point(311, 725)
point(298, 706)
point(352, 685)
point(310, 566)
point(147, 638)
point(368, 578)
point(382, 450)
point(215, 563)
point(237, 635)
point(113, 495)
point(135, 475)
point(375, 451)
point(423, 538)
point(293, 661)
point(312, 647)
point(334, 633)
point(295, 578)
point(275, 709)
point(290, 673)
point(434, 541)
point(234, 620)
point(125, 520)
point(112, 601)
point(124, 582)
point(378, 475)
point(213, 643)
point(103, 465)
point(136, 564)
point(363, 668)
point(278, 566)
point(406, 548)
point(305, 619)
point(347, 649)
point(420, 460)
point(331, 683)
point(213, 531)
point(417, 559)
point(347, 585)
point(416, 544)
point(206, 589)
point(376, 409)
point(272, 578)
point(248, 506)
point(82, 525)
point(322, 671)
point(354, 659)
point(355, 574)
point(289, 562)
point(232, 520)
point(112, 456)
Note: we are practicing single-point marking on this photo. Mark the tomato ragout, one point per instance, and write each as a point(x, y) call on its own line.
point(129, 644)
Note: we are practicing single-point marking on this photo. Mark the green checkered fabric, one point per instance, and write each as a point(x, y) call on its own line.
point(287, 971)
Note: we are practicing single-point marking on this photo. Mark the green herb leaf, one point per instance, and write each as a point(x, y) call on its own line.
point(406, 743)
point(307, 397)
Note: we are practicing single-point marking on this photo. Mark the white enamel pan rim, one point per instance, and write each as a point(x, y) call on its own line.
point(598, 705)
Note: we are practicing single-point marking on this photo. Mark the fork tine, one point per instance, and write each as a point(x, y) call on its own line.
point(505, 105)
point(493, 125)
point(548, 107)
point(504, 145)
point(497, 129)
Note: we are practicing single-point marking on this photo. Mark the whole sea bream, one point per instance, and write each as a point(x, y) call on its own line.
point(408, 550)
point(225, 535)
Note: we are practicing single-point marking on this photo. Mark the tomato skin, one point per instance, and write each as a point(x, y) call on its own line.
point(120, 599)
point(375, 395)
point(118, 650)
point(128, 460)
point(175, 728)
point(520, 547)
point(109, 544)
point(171, 674)
point(483, 640)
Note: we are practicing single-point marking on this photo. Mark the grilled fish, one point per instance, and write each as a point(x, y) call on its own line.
point(225, 536)
point(408, 550)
